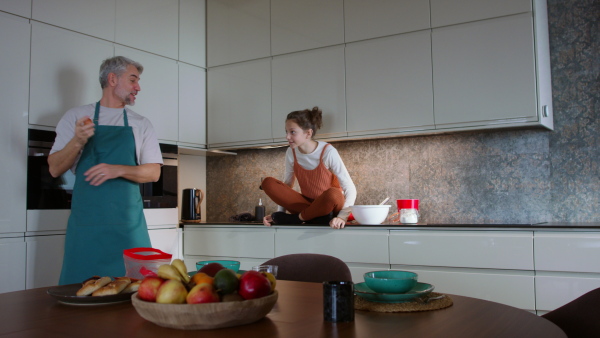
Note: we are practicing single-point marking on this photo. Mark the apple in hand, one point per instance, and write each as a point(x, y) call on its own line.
point(211, 269)
point(149, 288)
point(202, 293)
point(253, 285)
point(171, 292)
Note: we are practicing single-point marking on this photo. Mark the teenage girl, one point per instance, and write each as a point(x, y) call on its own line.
point(327, 191)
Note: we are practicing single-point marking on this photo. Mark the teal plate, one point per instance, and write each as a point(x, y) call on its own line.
point(421, 289)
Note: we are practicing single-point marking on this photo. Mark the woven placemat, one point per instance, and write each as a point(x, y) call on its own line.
point(414, 306)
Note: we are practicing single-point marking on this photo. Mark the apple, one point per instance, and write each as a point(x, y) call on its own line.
point(171, 292)
point(211, 269)
point(149, 288)
point(253, 285)
point(202, 293)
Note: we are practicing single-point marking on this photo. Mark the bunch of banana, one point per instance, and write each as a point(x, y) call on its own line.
point(176, 270)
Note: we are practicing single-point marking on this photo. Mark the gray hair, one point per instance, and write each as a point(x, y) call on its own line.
point(116, 65)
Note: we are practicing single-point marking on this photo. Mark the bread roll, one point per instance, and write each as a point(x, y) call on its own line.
point(133, 287)
point(92, 285)
point(113, 287)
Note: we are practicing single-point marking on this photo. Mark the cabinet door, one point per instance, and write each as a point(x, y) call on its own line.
point(449, 12)
point(307, 79)
point(237, 31)
point(158, 98)
point(192, 32)
point(12, 261)
point(574, 252)
point(150, 25)
point(14, 41)
point(484, 72)
point(91, 17)
point(377, 18)
point(239, 104)
point(229, 242)
point(18, 7)
point(64, 72)
point(301, 25)
point(44, 260)
point(192, 105)
point(389, 84)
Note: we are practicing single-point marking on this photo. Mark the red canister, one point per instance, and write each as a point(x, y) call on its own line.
point(407, 204)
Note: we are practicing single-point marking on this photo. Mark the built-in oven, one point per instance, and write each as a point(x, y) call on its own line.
point(47, 192)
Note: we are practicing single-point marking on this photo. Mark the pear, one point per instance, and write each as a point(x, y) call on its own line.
point(180, 266)
point(168, 271)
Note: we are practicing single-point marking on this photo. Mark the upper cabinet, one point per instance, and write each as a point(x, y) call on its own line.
point(192, 32)
point(158, 97)
point(192, 105)
point(377, 18)
point(91, 17)
point(301, 25)
point(307, 79)
point(237, 31)
point(239, 104)
point(64, 72)
point(18, 7)
point(450, 12)
point(149, 25)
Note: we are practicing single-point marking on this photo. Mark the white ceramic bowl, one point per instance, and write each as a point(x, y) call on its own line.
point(370, 214)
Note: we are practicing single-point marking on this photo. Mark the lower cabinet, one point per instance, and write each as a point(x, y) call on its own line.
point(12, 261)
point(44, 260)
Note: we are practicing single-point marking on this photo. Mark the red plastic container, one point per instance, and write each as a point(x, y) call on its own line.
point(407, 204)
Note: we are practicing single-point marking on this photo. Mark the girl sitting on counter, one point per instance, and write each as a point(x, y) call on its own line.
point(327, 191)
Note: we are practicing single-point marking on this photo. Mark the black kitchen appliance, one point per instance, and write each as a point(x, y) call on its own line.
point(191, 200)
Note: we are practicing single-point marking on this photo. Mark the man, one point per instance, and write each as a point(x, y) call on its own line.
point(109, 156)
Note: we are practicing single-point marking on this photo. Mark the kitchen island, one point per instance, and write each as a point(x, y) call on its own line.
point(536, 267)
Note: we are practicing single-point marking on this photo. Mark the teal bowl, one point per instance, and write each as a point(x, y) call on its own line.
point(391, 281)
point(233, 265)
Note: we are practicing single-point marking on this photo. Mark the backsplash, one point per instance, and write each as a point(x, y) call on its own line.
point(501, 176)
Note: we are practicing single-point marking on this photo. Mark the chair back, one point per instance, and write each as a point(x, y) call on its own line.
point(580, 317)
point(307, 267)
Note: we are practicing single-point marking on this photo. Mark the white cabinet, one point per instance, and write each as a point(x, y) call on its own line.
point(192, 105)
point(237, 31)
point(64, 68)
point(91, 17)
point(158, 98)
point(149, 25)
point(484, 73)
point(389, 84)
point(167, 240)
point(377, 18)
point(18, 7)
point(239, 104)
point(301, 25)
point(44, 260)
point(449, 12)
point(14, 70)
point(307, 79)
point(12, 261)
point(192, 32)
point(555, 289)
point(230, 242)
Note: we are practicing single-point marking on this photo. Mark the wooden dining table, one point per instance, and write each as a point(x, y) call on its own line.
point(297, 313)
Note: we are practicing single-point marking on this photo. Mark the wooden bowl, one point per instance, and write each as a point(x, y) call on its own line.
point(205, 316)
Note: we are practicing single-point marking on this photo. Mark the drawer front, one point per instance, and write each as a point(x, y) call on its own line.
point(510, 287)
point(555, 251)
point(229, 242)
point(358, 246)
point(554, 291)
point(471, 249)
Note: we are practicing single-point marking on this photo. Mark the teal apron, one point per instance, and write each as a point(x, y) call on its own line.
point(108, 218)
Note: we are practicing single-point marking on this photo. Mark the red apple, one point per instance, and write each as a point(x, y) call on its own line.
point(202, 293)
point(171, 292)
point(253, 284)
point(149, 288)
point(211, 269)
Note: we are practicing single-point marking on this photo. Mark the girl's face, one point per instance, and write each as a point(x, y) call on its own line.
point(295, 136)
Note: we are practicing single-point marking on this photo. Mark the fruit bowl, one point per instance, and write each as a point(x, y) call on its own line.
point(391, 281)
point(205, 316)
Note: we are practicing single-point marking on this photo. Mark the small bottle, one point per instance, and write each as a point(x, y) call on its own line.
point(259, 211)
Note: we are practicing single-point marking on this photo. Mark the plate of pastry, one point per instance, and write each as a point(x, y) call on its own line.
point(96, 291)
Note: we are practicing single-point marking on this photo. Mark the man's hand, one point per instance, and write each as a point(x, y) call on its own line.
point(84, 129)
point(100, 173)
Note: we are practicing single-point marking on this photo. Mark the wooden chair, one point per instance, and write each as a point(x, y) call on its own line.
point(579, 318)
point(306, 267)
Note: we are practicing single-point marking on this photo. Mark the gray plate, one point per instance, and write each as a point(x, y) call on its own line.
point(67, 294)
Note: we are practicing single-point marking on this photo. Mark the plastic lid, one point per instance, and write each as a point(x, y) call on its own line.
point(407, 204)
point(146, 254)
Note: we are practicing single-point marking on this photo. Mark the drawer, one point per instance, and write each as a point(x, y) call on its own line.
point(229, 242)
point(556, 290)
point(357, 246)
point(576, 252)
point(472, 249)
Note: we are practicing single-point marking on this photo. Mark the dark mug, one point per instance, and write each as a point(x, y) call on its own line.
point(338, 301)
